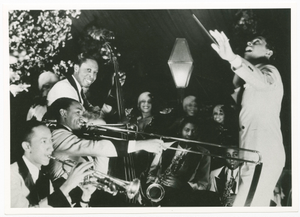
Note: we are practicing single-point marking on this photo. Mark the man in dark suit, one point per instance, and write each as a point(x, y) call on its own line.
point(30, 185)
point(224, 180)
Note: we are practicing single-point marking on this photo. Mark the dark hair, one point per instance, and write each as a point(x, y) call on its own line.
point(61, 103)
point(270, 39)
point(229, 114)
point(189, 120)
point(28, 129)
point(83, 57)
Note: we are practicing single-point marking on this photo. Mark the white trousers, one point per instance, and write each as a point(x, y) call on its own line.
point(273, 159)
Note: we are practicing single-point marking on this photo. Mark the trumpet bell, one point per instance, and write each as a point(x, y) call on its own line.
point(133, 188)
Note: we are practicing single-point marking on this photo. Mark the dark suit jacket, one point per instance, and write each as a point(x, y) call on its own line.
point(194, 170)
point(24, 192)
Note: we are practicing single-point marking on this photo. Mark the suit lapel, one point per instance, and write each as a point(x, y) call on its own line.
point(221, 180)
point(73, 83)
point(37, 191)
point(24, 172)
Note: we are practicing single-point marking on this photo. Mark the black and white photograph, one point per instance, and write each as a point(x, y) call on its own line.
point(156, 110)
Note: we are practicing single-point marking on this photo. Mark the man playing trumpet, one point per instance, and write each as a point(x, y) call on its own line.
point(30, 185)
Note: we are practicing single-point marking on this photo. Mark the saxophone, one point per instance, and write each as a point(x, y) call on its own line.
point(155, 191)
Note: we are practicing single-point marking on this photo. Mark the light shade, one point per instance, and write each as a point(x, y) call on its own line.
point(181, 63)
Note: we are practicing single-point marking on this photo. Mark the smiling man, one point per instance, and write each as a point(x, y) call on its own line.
point(85, 73)
point(67, 145)
point(259, 116)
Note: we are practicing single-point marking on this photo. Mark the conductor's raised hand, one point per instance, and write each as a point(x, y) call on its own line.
point(223, 47)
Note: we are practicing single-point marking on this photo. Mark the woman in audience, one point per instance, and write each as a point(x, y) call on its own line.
point(146, 116)
point(222, 129)
point(190, 108)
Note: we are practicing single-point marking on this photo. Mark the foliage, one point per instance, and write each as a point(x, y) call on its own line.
point(98, 41)
point(244, 27)
point(36, 37)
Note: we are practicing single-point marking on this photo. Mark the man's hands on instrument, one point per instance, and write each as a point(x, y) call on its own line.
point(152, 145)
point(87, 189)
point(76, 176)
point(223, 47)
point(171, 181)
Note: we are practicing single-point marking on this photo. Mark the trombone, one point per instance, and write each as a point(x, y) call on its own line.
point(115, 128)
point(105, 182)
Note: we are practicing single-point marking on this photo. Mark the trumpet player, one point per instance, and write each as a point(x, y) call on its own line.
point(183, 176)
point(30, 185)
point(67, 145)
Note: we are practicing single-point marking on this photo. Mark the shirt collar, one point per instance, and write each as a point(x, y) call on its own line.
point(68, 128)
point(34, 171)
point(228, 172)
point(77, 84)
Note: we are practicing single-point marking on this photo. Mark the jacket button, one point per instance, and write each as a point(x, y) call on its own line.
point(243, 127)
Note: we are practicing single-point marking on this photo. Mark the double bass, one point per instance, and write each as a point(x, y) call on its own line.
point(120, 167)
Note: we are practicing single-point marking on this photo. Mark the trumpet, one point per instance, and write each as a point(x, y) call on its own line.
point(105, 182)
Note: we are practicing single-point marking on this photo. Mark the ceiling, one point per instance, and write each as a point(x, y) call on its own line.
point(145, 39)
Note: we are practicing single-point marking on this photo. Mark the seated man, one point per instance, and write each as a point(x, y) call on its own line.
point(67, 145)
point(182, 171)
point(224, 180)
point(30, 187)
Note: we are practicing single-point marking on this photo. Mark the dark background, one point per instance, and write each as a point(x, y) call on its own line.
point(145, 39)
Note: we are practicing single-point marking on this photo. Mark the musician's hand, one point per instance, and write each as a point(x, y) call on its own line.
point(151, 145)
point(230, 200)
point(172, 182)
point(122, 77)
point(96, 109)
point(76, 176)
point(151, 179)
point(88, 190)
point(223, 47)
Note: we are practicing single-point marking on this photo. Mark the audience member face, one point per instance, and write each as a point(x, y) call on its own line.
point(14, 75)
point(191, 109)
point(232, 164)
point(73, 116)
point(188, 131)
point(39, 146)
point(257, 48)
point(86, 73)
point(145, 104)
point(218, 114)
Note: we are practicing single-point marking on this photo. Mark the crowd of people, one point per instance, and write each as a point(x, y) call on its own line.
point(203, 166)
